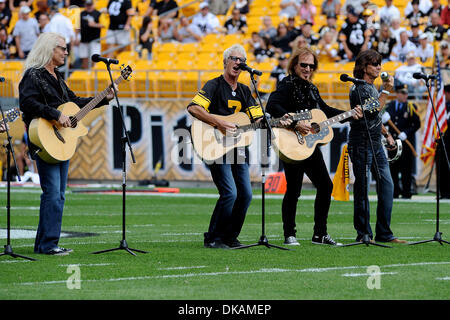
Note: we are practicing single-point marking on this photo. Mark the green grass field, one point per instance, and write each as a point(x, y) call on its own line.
point(177, 267)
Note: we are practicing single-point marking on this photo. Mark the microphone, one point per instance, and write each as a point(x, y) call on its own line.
point(420, 75)
point(245, 67)
point(345, 77)
point(2, 79)
point(98, 58)
point(384, 76)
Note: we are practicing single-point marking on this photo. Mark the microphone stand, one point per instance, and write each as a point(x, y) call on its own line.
point(125, 140)
point(9, 150)
point(438, 235)
point(263, 241)
point(366, 238)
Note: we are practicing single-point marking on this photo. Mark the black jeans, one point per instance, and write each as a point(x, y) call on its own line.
point(316, 170)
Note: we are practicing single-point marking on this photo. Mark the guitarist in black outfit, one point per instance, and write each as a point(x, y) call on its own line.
point(295, 93)
point(41, 91)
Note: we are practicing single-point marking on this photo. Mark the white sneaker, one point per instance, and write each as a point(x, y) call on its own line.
point(291, 241)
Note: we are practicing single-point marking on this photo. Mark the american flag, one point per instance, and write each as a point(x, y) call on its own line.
point(430, 131)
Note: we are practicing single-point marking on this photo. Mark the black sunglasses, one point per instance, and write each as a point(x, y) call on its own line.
point(375, 64)
point(234, 58)
point(304, 65)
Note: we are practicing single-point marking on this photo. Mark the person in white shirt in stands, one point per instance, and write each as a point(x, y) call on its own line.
point(26, 32)
point(289, 8)
point(402, 48)
point(389, 12)
point(404, 75)
point(425, 50)
point(396, 29)
point(62, 25)
point(424, 6)
point(205, 20)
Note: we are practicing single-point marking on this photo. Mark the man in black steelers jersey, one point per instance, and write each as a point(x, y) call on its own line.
point(224, 95)
point(352, 35)
point(120, 14)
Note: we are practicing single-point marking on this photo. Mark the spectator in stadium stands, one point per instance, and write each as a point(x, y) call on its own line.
point(219, 7)
point(415, 13)
point(445, 14)
point(404, 75)
point(331, 25)
point(298, 43)
point(384, 42)
point(118, 34)
point(389, 12)
point(280, 70)
point(151, 8)
point(307, 11)
point(404, 116)
point(444, 54)
point(188, 32)
point(7, 47)
point(230, 173)
point(236, 24)
point(293, 30)
point(44, 20)
point(424, 6)
point(435, 27)
point(42, 7)
point(331, 7)
point(268, 30)
point(164, 6)
point(166, 30)
point(90, 29)
point(242, 6)
point(328, 48)
point(402, 48)
point(444, 170)
point(396, 29)
point(282, 39)
point(435, 7)
point(352, 35)
point(15, 5)
point(146, 38)
point(425, 51)
point(414, 33)
point(5, 13)
point(59, 23)
point(289, 8)
point(355, 4)
point(206, 21)
point(264, 51)
point(26, 32)
point(307, 32)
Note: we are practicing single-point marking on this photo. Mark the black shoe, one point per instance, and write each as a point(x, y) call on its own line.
point(66, 249)
point(326, 239)
point(217, 244)
point(57, 252)
point(234, 243)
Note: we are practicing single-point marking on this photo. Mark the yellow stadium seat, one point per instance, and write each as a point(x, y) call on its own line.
point(323, 82)
point(208, 75)
point(80, 81)
point(189, 47)
point(189, 84)
point(266, 83)
point(145, 83)
point(167, 84)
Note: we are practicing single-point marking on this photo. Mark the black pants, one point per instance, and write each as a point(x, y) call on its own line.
point(444, 171)
point(316, 170)
point(403, 165)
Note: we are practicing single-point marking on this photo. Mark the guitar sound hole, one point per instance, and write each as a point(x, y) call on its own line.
point(315, 128)
point(73, 121)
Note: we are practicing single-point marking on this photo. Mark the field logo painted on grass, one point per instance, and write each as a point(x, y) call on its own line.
point(74, 280)
point(374, 280)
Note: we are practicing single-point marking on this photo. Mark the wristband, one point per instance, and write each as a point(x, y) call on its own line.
point(385, 92)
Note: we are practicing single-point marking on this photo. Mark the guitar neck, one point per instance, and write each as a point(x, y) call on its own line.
point(87, 108)
point(276, 122)
point(338, 118)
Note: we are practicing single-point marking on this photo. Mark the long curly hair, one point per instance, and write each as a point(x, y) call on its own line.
point(363, 59)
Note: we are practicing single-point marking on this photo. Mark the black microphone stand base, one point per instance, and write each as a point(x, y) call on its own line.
point(263, 241)
point(437, 237)
point(365, 240)
point(9, 252)
point(123, 246)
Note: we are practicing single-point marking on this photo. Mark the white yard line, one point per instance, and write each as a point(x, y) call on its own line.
point(212, 274)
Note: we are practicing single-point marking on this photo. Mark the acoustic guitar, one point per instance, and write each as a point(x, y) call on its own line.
point(57, 143)
point(293, 147)
point(210, 143)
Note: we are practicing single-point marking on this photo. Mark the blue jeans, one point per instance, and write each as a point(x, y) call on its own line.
point(385, 191)
point(53, 178)
point(235, 194)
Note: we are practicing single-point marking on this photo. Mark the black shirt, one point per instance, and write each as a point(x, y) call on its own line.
point(89, 34)
point(355, 35)
point(118, 16)
point(294, 94)
point(358, 131)
point(40, 94)
point(163, 6)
